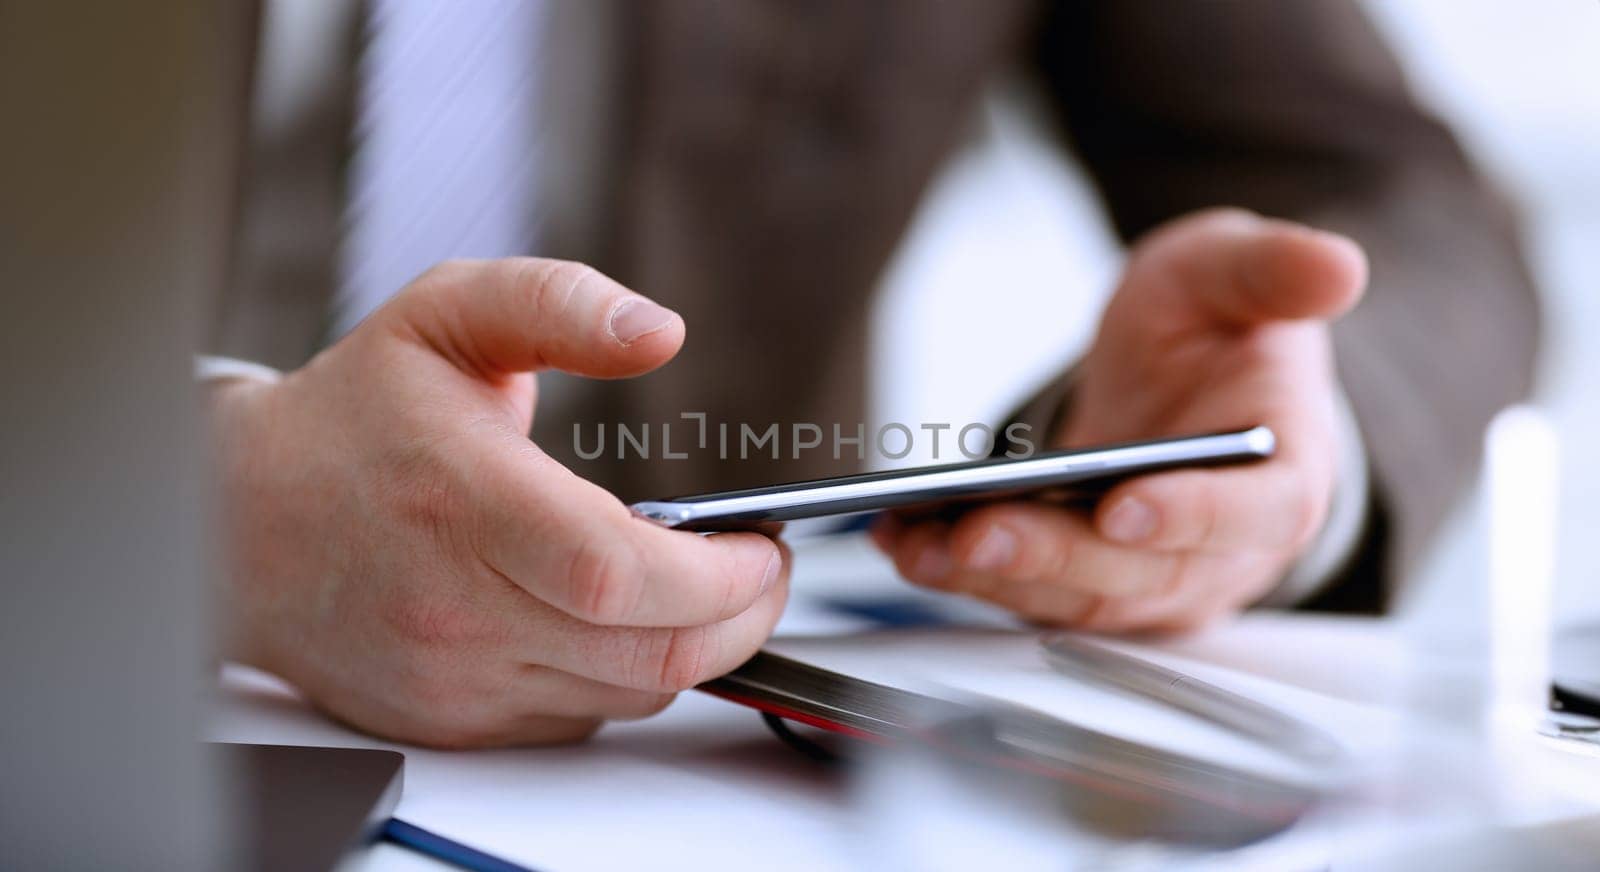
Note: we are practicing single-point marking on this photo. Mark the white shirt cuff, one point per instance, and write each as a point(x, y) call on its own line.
point(209, 368)
point(1341, 532)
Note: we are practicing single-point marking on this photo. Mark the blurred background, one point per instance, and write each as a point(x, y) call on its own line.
point(1517, 83)
point(1009, 217)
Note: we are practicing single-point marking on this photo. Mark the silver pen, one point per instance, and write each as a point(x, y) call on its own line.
point(1070, 655)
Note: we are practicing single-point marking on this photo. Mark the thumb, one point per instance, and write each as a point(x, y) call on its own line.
point(523, 314)
point(1238, 268)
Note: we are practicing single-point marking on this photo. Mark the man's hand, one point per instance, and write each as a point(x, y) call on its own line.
point(404, 554)
point(1219, 324)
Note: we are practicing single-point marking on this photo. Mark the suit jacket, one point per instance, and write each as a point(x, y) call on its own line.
point(768, 157)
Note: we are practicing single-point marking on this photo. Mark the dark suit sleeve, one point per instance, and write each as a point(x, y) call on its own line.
point(1297, 110)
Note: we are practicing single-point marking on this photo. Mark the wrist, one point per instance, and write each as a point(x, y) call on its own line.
point(235, 405)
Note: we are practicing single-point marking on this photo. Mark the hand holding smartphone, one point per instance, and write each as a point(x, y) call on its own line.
point(1079, 472)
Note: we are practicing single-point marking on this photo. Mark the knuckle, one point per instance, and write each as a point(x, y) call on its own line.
point(424, 492)
point(643, 667)
point(432, 623)
point(686, 660)
point(604, 583)
point(673, 660)
point(428, 502)
point(551, 283)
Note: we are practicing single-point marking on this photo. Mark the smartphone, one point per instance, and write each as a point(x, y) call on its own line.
point(1062, 475)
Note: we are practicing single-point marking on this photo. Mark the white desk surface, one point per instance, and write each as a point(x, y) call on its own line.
point(704, 785)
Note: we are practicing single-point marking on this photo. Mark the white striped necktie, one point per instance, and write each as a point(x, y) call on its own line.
point(445, 152)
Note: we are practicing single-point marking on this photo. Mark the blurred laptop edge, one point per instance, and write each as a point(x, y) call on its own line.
point(123, 127)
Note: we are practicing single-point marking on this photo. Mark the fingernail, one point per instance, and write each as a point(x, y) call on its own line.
point(1131, 520)
point(932, 564)
point(994, 551)
point(636, 319)
point(774, 569)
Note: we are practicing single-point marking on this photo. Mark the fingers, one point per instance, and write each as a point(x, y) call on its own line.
point(521, 314)
point(656, 660)
point(575, 546)
point(451, 686)
point(1050, 564)
point(596, 592)
point(1206, 594)
point(1032, 543)
point(1054, 604)
point(1275, 505)
point(565, 695)
point(538, 706)
point(501, 731)
point(541, 730)
point(1272, 507)
point(1240, 268)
